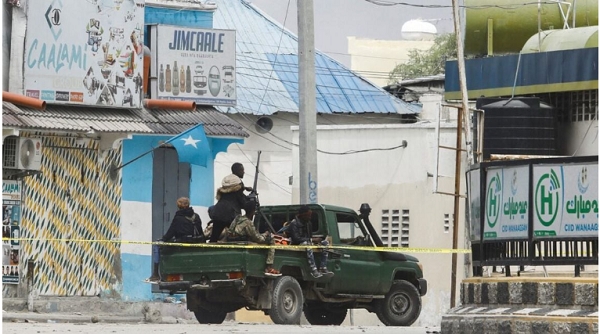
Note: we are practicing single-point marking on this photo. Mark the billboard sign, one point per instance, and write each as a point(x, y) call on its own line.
point(196, 65)
point(566, 200)
point(507, 203)
point(85, 52)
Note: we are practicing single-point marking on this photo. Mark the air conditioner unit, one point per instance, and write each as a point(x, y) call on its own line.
point(22, 153)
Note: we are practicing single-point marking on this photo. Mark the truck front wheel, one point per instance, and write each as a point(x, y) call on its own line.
point(205, 316)
point(401, 305)
point(286, 306)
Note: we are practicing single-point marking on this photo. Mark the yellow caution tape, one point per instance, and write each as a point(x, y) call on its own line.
point(253, 246)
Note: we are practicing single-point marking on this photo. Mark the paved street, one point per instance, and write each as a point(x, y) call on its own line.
point(99, 328)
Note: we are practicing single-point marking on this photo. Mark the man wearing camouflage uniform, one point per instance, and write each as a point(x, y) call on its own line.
point(242, 229)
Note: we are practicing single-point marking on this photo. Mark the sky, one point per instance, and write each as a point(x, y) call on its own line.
point(335, 20)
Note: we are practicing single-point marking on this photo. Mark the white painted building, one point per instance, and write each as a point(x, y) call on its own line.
point(374, 59)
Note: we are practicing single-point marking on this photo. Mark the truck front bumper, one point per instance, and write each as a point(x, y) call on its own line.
point(422, 286)
point(186, 285)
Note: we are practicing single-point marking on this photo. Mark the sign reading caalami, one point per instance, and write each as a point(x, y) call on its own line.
point(196, 64)
point(85, 52)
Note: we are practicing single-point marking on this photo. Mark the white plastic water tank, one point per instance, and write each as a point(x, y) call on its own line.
point(418, 30)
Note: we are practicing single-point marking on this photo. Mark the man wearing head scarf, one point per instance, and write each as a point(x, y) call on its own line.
point(300, 230)
point(230, 201)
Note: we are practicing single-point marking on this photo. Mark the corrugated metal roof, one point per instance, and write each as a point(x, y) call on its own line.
point(267, 70)
point(79, 118)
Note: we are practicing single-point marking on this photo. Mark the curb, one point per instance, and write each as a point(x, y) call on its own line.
point(31, 317)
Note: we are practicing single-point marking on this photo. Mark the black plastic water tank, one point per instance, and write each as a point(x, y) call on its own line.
point(518, 126)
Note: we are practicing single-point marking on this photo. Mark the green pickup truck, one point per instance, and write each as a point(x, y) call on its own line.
point(218, 280)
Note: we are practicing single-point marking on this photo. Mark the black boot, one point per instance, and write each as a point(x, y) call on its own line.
point(155, 277)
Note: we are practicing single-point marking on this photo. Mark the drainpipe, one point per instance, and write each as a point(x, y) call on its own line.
point(25, 101)
point(169, 104)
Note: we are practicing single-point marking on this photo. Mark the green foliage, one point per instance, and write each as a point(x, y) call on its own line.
point(427, 62)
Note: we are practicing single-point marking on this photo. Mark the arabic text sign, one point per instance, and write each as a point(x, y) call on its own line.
point(566, 200)
point(85, 52)
point(507, 203)
point(196, 64)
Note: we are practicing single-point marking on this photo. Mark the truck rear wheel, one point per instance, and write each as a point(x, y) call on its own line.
point(401, 305)
point(322, 316)
point(205, 316)
point(286, 305)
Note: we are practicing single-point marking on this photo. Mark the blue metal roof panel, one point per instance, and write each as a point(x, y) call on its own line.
point(267, 66)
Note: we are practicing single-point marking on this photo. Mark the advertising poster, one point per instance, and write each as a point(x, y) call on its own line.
point(473, 177)
point(85, 52)
point(11, 218)
point(196, 65)
point(566, 200)
point(507, 203)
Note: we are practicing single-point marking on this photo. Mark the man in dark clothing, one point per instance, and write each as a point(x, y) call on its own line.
point(230, 201)
point(186, 223)
point(300, 231)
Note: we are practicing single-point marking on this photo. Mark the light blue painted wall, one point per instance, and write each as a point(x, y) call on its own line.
point(137, 187)
point(137, 176)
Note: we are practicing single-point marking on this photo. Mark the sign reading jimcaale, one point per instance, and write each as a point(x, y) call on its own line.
point(196, 64)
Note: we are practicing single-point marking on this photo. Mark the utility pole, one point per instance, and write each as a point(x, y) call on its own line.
point(466, 119)
point(307, 93)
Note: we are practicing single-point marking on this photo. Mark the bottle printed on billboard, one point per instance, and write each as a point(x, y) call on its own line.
point(199, 65)
point(474, 187)
point(85, 52)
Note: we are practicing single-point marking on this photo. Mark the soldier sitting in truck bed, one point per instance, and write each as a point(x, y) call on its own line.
point(242, 229)
point(301, 233)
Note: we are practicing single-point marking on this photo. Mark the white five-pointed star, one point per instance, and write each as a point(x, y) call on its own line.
point(190, 141)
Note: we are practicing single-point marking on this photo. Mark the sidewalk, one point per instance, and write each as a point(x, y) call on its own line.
point(94, 309)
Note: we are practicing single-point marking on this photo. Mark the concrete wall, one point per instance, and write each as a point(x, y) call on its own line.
point(277, 157)
point(380, 56)
point(581, 138)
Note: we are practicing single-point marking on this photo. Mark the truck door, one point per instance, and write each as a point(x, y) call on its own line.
point(356, 270)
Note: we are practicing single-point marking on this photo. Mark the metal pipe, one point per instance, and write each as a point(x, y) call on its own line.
point(22, 100)
point(169, 104)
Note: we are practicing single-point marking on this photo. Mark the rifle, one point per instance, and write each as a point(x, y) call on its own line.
point(254, 196)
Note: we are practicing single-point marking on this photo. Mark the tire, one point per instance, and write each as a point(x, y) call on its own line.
point(322, 316)
point(286, 305)
point(401, 305)
point(209, 317)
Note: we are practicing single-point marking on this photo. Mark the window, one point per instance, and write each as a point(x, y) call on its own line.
point(575, 106)
point(349, 228)
point(405, 228)
point(390, 227)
